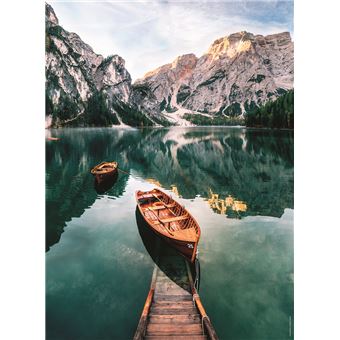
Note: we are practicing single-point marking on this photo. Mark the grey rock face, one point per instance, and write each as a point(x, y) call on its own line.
point(237, 72)
point(50, 17)
point(165, 81)
point(74, 73)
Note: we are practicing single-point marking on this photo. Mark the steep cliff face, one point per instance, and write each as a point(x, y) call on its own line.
point(164, 81)
point(77, 76)
point(236, 73)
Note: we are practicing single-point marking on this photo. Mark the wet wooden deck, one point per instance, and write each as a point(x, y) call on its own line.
point(173, 309)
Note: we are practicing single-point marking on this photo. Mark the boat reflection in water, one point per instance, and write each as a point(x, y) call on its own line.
point(160, 251)
point(104, 184)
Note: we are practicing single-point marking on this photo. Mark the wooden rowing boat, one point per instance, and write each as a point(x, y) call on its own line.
point(52, 138)
point(104, 169)
point(170, 220)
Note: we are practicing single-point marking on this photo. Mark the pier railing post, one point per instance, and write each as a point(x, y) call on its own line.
point(140, 331)
point(208, 327)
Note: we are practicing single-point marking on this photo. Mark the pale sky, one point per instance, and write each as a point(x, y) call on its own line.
point(148, 34)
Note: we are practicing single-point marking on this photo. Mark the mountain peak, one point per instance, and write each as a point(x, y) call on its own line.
point(50, 17)
point(185, 60)
point(181, 66)
point(231, 45)
point(243, 41)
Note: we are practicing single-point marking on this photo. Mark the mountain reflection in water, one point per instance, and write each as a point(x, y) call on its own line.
point(100, 259)
point(229, 206)
point(255, 167)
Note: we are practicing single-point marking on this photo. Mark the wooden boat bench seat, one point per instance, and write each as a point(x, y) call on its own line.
point(174, 219)
point(170, 205)
point(188, 234)
point(160, 207)
point(157, 207)
point(150, 196)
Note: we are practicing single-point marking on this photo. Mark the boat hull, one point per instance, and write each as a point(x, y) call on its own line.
point(100, 178)
point(104, 184)
point(186, 248)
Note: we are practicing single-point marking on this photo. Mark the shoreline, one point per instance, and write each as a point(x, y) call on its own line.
point(127, 127)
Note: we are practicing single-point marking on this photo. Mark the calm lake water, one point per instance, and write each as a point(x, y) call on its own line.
point(237, 183)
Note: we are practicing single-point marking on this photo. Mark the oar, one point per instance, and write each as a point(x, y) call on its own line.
point(164, 226)
point(164, 204)
point(123, 171)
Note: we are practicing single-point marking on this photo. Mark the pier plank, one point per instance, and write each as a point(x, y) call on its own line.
point(175, 337)
point(172, 313)
point(170, 329)
point(172, 304)
point(168, 297)
point(175, 319)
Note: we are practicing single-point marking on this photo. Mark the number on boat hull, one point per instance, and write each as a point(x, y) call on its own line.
point(190, 245)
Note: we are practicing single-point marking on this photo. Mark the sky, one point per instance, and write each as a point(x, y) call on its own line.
point(148, 34)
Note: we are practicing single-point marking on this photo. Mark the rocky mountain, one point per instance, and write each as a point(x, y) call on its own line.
point(84, 88)
point(237, 73)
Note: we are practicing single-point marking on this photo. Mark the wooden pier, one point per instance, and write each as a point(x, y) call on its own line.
point(173, 309)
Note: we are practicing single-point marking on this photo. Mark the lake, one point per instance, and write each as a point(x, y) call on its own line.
point(237, 183)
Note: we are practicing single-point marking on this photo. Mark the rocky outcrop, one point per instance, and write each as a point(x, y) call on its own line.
point(164, 81)
point(75, 74)
point(236, 73)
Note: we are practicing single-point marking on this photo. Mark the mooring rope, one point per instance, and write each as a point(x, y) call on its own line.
point(197, 270)
point(204, 317)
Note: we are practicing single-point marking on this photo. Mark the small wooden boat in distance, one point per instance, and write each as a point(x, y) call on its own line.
point(170, 220)
point(52, 138)
point(104, 169)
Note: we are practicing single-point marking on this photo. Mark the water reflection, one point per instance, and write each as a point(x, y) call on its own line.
point(256, 167)
point(228, 205)
point(154, 182)
point(69, 183)
point(174, 189)
point(103, 185)
point(100, 269)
